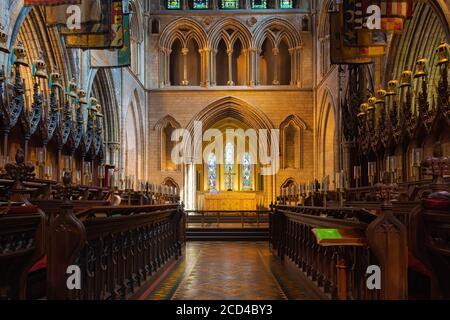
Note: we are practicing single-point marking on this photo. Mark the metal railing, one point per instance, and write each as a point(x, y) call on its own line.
point(244, 218)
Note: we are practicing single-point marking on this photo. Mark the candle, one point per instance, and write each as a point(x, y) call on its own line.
point(41, 156)
point(67, 163)
point(48, 172)
point(418, 157)
point(78, 177)
point(337, 181)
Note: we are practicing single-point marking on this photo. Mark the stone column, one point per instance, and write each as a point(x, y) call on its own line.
point(167, 53)
point(212, 66)
point(299, 71)
point(257, 66)
point(162, 68)
point(247, 69)
point(252, 67)
point(293, 66)
point(206, 66)
point(276, 81)
point(185, 81)
point(230, 67)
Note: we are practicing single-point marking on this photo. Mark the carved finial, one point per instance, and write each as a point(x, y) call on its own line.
point(437, 165)
point(66, 190)
point(20, 156)
point(386, 190)
point(19, 172)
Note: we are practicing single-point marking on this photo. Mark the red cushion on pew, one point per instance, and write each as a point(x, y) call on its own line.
point(417, 265)
point(41, 264)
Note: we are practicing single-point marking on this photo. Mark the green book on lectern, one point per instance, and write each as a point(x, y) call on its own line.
point(339, 237)
point(325, 234)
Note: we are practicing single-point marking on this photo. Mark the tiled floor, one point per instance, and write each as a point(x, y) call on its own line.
point(228, 225)
point(228, 271)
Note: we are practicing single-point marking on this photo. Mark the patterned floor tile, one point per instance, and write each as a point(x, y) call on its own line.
point(227, 271)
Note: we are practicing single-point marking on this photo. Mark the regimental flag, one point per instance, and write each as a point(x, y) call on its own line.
point(57, 12)
point(111, 40)
point(356, 33)
point(393, 13)
point(102, 26)
point(342, 54)
point(396, 8)
point(114, 58)
point(339, 53)
point(392, 24)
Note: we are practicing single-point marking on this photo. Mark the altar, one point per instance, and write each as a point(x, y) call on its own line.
point(229, 201)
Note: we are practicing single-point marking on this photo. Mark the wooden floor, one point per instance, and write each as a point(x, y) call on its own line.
point(228, 271)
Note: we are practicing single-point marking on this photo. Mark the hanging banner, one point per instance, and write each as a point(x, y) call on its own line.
point(112, 40)
point(342, 54)
point(396, 8)
point(355, 18)
point(115, 58)
point(59, 12)
point(102, 26)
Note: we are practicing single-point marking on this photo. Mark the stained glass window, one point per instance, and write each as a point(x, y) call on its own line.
point(201, 4)
point(230, 4)
point(247, 172)
point(173, 4)
point(259, 4)
point(212, 172)
point(229, 166)
point(286, 4)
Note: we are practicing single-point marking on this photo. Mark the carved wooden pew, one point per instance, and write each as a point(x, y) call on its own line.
point(119, 254)
point(338, 270)
point(22, 243)
point(430, 229)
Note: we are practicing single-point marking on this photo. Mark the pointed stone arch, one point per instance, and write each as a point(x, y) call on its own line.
point(134, 138)
point(164, 128)
point(184, 30)
point(136, 36)
point(277, 30)
point(292, 142)
point(103, 90)
point(327, 136)
point(170, 182)
point(235, 35)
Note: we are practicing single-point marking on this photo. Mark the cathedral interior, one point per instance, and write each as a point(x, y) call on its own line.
point(224, 149)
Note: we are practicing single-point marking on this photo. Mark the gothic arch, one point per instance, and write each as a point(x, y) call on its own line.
point(277, 31)
point(103, 89)
point(136, 23)
point(231, 107)
point(35, 37)
point(292, 143)
point(184, 30)
point(230, 30)
point(288, 183)
point(165, 143)
point(232, 60)
point(170, 182)
point(133, 155)
point(327, 135)
point(324, 37)
point(136, 36)
point(429, 26)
